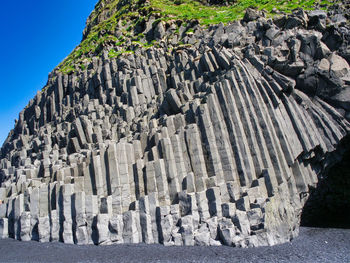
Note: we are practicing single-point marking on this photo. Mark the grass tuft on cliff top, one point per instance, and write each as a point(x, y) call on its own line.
point(110, 16)
point(207, 15)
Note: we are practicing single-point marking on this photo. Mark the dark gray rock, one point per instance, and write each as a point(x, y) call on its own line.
point(251, 14)
point(159, 31)
point(293, 22)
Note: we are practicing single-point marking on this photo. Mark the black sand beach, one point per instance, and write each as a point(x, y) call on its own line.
point(312, 245)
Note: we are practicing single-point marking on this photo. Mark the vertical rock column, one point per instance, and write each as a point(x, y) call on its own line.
point(44, 221)
point(195, 151)
point(124, 176)
point(80, 224)
point(68, 191)
point(18, 210)
point(34, 212)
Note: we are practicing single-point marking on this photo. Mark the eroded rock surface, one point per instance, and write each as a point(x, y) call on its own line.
point(216, 142)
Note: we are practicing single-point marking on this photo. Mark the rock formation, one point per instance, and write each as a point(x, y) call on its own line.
point(216, 141)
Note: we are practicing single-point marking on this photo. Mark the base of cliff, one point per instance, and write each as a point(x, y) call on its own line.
point(312, 245)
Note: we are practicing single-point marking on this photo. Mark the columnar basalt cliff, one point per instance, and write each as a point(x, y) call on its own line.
point(214, 140)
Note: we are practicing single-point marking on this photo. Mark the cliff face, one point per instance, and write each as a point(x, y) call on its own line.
point(215, 140)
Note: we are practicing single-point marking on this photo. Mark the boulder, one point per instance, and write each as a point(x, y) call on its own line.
point(293, 22)
point(338, 19)
point(159, 31)
point(339, 67)
point(251, 14)
point(324, 65)
point(342, 99)
point(317, 20)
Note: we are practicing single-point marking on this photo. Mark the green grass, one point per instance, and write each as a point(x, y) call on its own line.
point(94, 42)
point(113, 54)
point(191, 9)
point(131, 13)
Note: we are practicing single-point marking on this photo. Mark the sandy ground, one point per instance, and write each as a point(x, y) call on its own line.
point(312, 245)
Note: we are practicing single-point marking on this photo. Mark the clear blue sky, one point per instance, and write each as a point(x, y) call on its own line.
point(36, 35)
